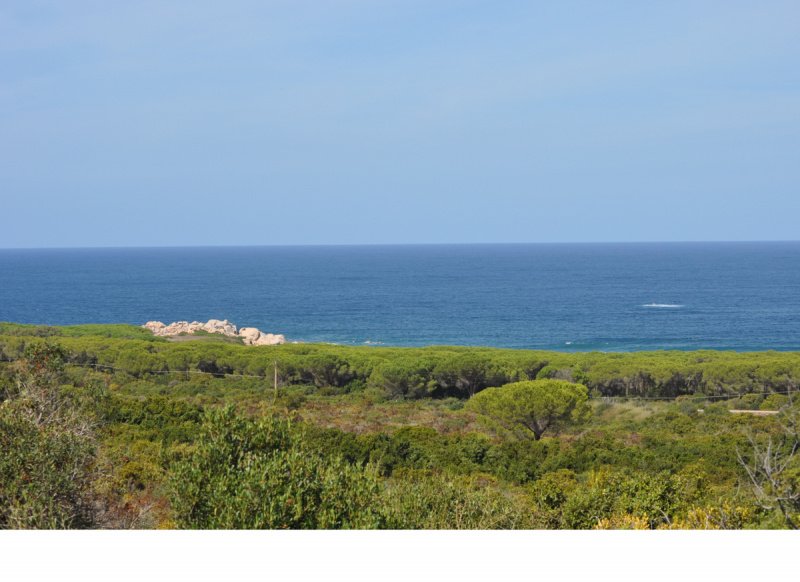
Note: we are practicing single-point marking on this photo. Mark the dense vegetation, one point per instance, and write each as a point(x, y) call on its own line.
point(420, 372)
point(107, 426)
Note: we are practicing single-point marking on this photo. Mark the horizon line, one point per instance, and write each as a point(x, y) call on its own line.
point(410, 244)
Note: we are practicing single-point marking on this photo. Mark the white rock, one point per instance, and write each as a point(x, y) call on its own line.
point(269, 339)
point(216, 326)
point(251, 336)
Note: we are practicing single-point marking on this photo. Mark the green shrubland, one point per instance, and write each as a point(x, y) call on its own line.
point(103, 426)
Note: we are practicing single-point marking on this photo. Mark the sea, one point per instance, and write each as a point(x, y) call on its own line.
point(569, 297)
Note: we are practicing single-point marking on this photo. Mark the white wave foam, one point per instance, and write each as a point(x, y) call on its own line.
point(662, 305)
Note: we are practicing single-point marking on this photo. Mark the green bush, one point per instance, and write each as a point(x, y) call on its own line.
point(44, 474)
point(439, 502)
point(46, 448)
point(654, 499)
point(774, 402)
point(259, 475)
point(747, 402)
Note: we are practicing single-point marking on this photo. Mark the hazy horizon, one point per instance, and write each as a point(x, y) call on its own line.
point(401, 244)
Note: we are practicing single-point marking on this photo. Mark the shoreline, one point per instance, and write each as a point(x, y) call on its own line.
point(119, 330)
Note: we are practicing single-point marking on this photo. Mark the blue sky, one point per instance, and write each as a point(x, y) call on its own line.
point(292, 122)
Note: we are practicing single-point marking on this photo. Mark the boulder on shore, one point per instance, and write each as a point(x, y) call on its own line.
point(250, 336)
point(269, 339)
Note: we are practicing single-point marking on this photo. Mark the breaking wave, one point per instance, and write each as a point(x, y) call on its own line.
point(662, 305)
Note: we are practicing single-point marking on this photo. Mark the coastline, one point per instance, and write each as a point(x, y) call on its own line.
point(135, 331)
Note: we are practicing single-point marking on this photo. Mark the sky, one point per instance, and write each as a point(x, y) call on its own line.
point(383, 122)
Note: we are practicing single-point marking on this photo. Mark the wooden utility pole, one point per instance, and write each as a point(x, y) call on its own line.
point(275, 380)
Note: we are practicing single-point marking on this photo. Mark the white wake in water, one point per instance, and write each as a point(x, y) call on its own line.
point(662, 305)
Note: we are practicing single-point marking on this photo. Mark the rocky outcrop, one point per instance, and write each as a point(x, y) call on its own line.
point(270, 339)
point(254, 337)
point(250, 336)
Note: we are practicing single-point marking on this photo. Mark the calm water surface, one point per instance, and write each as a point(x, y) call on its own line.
point(741, 296)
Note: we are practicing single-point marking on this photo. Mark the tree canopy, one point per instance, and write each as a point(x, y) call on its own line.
point(533, 406)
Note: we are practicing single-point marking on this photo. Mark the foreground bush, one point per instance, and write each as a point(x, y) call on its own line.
point(259, 475)
point(46, 449)
point(43, 474)
point(441, 502)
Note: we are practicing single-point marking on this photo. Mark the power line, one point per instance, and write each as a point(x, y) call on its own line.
point(695, 397)
point(115, 369)
point(101, 367)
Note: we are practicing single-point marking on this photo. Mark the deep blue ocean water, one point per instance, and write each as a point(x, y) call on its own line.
point(740, 296)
